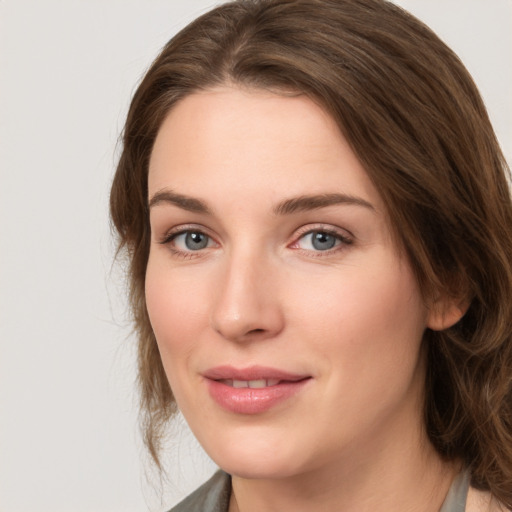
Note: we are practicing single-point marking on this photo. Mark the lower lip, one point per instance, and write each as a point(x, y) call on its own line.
point(253, 400)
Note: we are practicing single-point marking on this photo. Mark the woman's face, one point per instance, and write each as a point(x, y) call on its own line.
point(288, 323)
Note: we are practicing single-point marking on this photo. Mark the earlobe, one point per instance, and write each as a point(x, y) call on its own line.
point(446, 312)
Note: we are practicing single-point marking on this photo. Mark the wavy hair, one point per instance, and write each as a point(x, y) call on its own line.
point(413, 116)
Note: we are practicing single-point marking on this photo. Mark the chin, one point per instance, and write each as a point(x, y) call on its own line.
point(256, 456)
point(258, 469)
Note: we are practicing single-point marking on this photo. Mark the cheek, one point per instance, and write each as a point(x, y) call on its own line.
point(367, 319)
point(367, 333)
point(175, 307)
point(361, 297)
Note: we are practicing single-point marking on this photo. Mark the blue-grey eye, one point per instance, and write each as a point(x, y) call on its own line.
point(322, 241)
point(195, 240)
point(191, 241)
point(319, 241)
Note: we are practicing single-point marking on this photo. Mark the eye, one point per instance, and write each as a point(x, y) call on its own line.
point(190, 241)
point(321, 240)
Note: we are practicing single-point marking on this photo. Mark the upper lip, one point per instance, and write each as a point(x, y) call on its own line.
point(251, 373)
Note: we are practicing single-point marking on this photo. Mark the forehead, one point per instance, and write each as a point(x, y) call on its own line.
point(235, 140)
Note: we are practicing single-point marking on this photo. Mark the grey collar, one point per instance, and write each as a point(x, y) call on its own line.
point(213, 496)
point(456, 498)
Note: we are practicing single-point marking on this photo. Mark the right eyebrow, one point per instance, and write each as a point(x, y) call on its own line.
point(188, 203)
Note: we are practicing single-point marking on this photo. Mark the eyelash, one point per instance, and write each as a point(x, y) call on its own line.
point(343, 239)
point(169, 237)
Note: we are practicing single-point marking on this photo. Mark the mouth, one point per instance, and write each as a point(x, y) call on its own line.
point(252, 390)
point(252, 374)
point(253, 384)
point(258, 383)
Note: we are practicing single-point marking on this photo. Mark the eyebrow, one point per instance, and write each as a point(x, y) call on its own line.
point(286, 207)
point(188, 203)
point(314, 202)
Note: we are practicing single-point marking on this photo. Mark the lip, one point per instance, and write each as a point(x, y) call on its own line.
point(252, 400)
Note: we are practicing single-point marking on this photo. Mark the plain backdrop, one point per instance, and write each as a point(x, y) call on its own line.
point(68, 432)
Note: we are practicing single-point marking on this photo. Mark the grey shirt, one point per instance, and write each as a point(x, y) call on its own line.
point(213, 496)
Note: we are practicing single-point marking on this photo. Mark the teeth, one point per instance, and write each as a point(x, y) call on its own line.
point(257, 384)
point(253, 384)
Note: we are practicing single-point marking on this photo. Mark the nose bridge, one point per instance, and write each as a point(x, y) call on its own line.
point(246, 304)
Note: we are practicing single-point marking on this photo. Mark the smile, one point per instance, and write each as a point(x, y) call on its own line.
point(253, 384)
point(253, 390)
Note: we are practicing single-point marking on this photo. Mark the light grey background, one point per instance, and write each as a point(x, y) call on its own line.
point(68, 435)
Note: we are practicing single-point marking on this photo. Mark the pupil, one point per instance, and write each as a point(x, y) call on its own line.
point(195, 241)
point(323, 241)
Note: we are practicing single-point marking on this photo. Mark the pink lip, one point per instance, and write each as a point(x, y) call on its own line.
point(252, 400)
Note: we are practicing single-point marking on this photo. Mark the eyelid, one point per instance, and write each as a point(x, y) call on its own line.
point(186, 254)
point(175, 231)
point(327, 228)
point(345, 236)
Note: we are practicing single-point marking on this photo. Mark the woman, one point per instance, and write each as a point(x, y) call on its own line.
point(318, 222)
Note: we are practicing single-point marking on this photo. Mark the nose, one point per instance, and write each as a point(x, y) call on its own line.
point(247, 304)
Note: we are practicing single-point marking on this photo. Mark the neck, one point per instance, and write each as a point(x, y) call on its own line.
point(406, 474)
point(383, 489)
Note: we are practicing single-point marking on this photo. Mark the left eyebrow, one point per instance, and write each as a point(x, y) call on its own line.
point(314, 202)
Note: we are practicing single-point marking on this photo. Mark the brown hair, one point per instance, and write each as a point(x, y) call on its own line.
point(414, 117)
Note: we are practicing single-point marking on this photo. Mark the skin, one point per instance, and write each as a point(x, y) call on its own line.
point(260, 292)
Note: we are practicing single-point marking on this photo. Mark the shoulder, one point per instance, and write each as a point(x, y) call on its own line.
point(481, 501)
point(212, 496)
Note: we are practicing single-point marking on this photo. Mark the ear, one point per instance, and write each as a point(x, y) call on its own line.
point(445, 312)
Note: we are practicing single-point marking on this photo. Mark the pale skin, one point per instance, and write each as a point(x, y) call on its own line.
point(240, 182)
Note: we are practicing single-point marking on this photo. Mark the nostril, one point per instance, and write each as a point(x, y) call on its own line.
point(256, 331)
